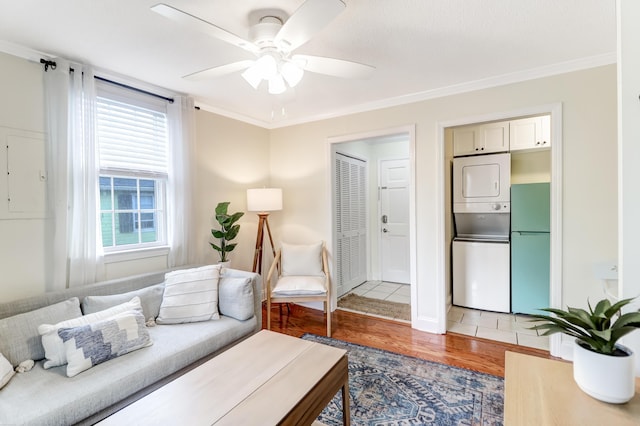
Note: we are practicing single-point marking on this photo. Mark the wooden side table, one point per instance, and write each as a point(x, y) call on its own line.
point(541, 391)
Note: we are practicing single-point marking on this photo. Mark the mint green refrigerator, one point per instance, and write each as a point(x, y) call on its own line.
point(530, 247)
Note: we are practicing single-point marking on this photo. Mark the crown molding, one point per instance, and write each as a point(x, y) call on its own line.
point(501, 80)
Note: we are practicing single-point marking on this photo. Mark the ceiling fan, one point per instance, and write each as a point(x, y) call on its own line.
point(272, 40)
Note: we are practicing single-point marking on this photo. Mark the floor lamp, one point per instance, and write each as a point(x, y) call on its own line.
point(263, 201)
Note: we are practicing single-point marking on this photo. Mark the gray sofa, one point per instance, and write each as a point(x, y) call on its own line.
point(49, 397)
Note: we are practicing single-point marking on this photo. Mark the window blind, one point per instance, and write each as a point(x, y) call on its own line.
point(131, 137)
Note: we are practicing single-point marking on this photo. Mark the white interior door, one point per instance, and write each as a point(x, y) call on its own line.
point(394, 220)
point(350, 222)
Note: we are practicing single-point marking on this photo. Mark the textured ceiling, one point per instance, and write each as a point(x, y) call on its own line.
point(419, 47)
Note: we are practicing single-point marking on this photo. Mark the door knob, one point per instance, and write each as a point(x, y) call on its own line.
point(385, 230)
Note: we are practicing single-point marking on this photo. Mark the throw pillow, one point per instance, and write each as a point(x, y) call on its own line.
point(92, 344)
point(302, 259)
point(6, 371)
point(150, 298)
point(236, 298)
point(190, 295)
point(19, 337)
point(54, 349)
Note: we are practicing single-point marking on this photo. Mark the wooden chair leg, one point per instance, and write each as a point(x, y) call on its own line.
point(328, 310)
point(268, 315)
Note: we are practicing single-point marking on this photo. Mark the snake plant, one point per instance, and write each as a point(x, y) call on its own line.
point(596, 328)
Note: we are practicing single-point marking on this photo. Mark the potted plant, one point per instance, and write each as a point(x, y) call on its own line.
point(228, 230)
point(602, 368)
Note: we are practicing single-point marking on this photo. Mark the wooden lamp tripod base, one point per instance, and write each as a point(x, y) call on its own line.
point(257, 256)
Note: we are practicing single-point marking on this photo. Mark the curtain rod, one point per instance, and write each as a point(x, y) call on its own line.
point(126, 86)
point(47, 63)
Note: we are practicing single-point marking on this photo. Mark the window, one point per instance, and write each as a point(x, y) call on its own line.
point(132, 140)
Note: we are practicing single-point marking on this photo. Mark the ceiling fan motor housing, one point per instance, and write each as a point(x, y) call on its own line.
point(264, 32)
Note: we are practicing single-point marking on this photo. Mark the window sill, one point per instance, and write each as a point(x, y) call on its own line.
point(135, 254)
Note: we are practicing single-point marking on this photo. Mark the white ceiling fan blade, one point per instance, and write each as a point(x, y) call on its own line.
point(203, 26)
point(334, 67)
point(308, 19)
point(219, 71)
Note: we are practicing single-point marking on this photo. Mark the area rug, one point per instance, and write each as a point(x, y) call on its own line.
point(391, 389)
point(384, 308)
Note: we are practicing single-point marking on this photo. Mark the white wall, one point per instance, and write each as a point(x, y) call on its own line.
point(21, 240)
point(299, 164)
point(629, 156)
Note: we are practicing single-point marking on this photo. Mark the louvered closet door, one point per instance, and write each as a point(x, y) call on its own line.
point(350, 222)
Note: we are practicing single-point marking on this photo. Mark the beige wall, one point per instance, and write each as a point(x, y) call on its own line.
point(300, 165)
point(233, 156)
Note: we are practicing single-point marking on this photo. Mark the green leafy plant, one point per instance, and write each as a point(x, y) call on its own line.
point(228, 230)
point(596, 328)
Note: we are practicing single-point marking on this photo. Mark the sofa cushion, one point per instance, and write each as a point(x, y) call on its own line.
point(190, 295)
point(49, 397)
point(54, 348)
point(19, 337)
point(302, 259)
point(235, 298)
point(150, 298)
point(92, 344)
point(299, 286)
point(6, 371)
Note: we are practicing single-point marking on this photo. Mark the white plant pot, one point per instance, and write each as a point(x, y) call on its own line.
point(604, 377)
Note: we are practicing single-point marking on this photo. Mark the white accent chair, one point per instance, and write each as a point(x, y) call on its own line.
point(299, 273)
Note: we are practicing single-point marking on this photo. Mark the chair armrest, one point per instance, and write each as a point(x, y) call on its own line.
point(272, 269)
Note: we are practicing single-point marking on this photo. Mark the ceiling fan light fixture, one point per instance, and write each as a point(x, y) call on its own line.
point(276, 85)
point(253, 76)
point(267, 66)
point(292, 73)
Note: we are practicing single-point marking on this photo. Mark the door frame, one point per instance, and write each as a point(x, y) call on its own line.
point(557, 347)
point(410, 131)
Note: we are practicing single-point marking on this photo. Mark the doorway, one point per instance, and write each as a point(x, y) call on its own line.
point(389, 257)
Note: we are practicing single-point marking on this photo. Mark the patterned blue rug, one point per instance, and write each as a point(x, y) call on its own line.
point(391, 389)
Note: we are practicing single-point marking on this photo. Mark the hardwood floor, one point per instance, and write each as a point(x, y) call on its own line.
point(454, 349)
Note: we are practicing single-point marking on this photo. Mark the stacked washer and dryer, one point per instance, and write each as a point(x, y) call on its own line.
point(481, 249)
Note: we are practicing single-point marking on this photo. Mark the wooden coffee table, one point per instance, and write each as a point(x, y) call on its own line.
point(268, 379)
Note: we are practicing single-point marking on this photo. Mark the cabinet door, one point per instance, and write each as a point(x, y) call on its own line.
point(464, 141)
point(530, 133)
point(494, 137)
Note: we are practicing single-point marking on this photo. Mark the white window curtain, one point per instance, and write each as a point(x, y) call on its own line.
point(73, 240)
point(181, 121)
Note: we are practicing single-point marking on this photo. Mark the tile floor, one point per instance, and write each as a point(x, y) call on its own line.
point(507, 328)
point(393, 292)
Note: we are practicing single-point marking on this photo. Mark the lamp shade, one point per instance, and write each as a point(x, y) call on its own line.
point(264, 199)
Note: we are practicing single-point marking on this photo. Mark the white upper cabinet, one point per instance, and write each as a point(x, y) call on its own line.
point(481, 139)
point(530, 133)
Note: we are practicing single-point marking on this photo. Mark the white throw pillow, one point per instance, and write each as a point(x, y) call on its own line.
point(299, 286)
point(190, 295)
point(6, 371)
point(92, 344)
point(302, 259)
point(54, 350)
